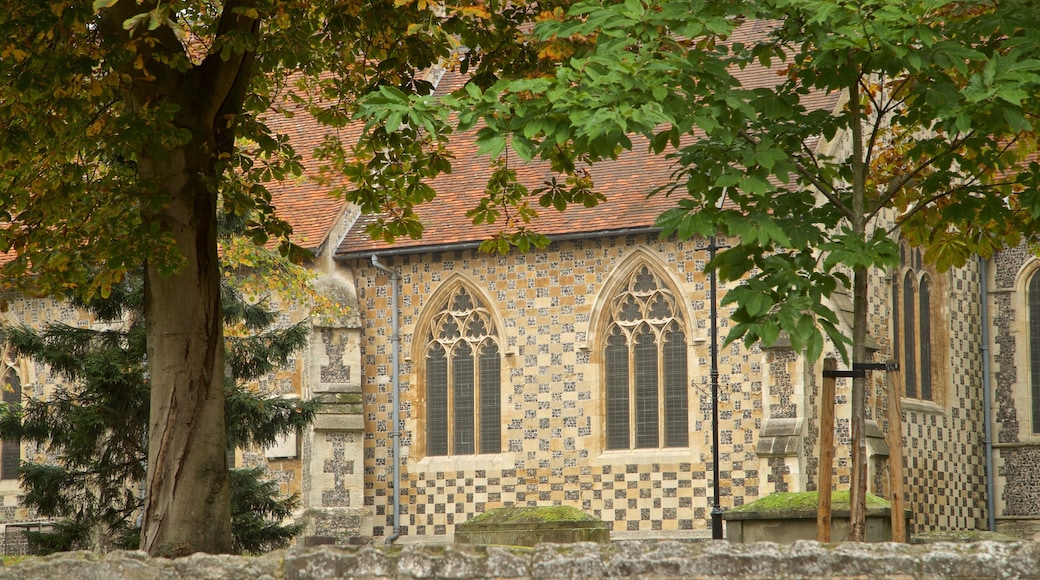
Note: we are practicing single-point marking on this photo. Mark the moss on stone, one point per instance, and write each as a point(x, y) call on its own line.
point(529, 526)
point(533, 515)
point(803, 501)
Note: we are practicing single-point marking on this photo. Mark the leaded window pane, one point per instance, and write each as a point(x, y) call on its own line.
point(615, 361)
point(895, 318)
point(645, 281)
point(462, 393)
point(676, 413)
point(436, 401)
point(450, 330)
point(644, 355)
point(462, 302)
point(660, 308)
point(630, 311)
point(490, 403)
point(909, 334)
point(476, 329)
point(925, 336)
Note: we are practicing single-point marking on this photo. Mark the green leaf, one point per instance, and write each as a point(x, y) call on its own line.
point(132, 22)
point(523, 146)
point(757, 303)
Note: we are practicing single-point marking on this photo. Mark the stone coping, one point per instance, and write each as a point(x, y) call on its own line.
point(661, 560)
point(561, 525)
point(800, 514)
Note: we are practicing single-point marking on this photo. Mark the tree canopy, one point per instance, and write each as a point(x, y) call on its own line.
point(129, 126)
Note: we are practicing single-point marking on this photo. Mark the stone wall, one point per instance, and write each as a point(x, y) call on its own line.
point(1016, 441)
point(659, 560)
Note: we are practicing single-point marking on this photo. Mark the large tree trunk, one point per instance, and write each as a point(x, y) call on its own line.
point(188, 501)
point(188, 496)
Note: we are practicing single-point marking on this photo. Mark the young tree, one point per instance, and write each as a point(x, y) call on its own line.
point(127, 123)
point(93, 430)
point(941, 105)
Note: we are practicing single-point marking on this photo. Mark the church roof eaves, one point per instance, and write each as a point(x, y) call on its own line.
point(403, 250)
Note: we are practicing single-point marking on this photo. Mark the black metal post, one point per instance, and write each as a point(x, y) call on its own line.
point(716, 509)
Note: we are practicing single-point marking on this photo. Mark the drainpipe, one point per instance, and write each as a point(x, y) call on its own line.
point(395, 365)
point(991, 518)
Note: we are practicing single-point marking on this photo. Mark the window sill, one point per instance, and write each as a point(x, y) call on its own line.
point(919, 406)
point(493, 461)
point(659, 455)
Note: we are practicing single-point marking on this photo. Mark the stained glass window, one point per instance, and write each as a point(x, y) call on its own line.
point(1034, 347)
point(463, 380)
point(10, 450)
point(912, 329)
point(645, 367)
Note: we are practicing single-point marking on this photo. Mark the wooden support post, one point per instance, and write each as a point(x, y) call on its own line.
point(827, 396)
point(895, 456)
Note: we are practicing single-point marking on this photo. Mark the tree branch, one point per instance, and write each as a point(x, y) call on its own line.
point(161, 40)
point(227, 80)
point(896, 185)
point(825, 188)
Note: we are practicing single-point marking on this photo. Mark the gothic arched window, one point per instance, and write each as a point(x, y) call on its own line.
point(463, 380)
point(10, 450)
point(913, 310)
point(645, 367)
point(1033, 295)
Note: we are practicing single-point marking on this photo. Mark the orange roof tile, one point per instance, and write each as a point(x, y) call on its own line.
point(305, 202)
point(626, 183)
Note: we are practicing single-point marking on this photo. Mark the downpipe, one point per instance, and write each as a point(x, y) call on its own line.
point(395, 373)
point(991, 518)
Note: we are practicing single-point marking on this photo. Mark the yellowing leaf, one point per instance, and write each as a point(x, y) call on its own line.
point(95, 128)
point(14, 52)
point(100, 4)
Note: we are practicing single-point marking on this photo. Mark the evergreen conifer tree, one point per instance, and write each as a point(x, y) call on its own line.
point(92, 429)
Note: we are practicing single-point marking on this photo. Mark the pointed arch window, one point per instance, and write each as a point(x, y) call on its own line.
point(645, 367)
point(1033, 296)
point(913, 337)
point(463, 380)
point(10, 450)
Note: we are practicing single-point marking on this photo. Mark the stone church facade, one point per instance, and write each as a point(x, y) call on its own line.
point(556, 315)
point(578, 374)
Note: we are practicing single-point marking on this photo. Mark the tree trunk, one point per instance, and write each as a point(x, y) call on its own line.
point(188, 495)
point(188, 502)
point(860, 286)
point(858, 484)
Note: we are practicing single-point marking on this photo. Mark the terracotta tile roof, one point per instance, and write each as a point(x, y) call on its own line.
point(625, 182)
point(305, 202)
